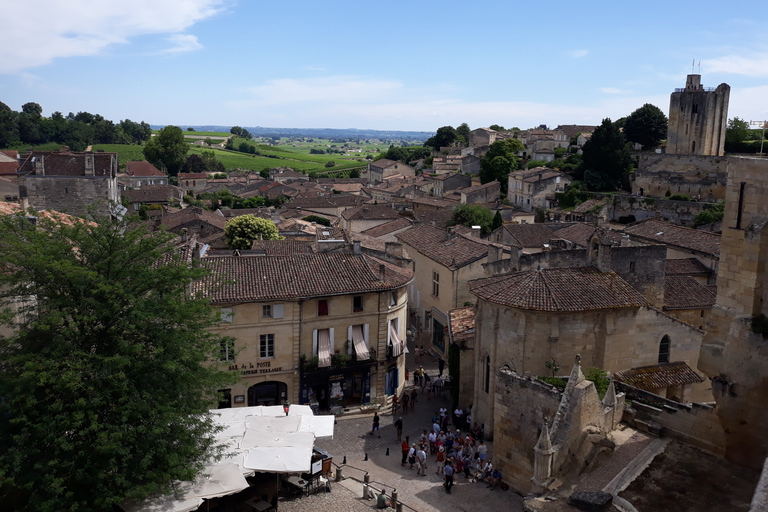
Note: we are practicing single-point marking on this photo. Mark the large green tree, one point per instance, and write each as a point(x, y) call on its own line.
point(107, 377)
point(444, 137)
point(647, 126)
point(240, 232)
point(167, 150)
point(606, 160)
point(473, 215)
point(501, 159)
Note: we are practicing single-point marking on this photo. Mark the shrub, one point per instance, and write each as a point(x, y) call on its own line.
point(649, 200)
point(330, 163)
point(600, 378)
point(558, 382)
point(679, 197)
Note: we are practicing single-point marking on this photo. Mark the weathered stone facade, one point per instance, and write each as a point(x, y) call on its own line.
point(697, 118)
point(528, 452)
point(695, 175)
point(735, 357)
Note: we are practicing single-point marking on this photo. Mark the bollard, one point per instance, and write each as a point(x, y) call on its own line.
point(394, 498)
point(339, 476)
point(366, 456)
point(387, 451)
point(366, 481)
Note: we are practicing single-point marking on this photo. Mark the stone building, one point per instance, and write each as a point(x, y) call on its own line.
point(70, 182)
point(527, 318)
point(138, 173)
point(196, 221)
point(535, 188)
point(367, 216)
point(443, 183)
point(384, 168)
point(481, 194)
point(735, 353)
point(697, 118)
point(321, 329)
point(444, 260)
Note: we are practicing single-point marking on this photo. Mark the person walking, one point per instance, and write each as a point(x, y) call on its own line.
point(399, 428)
point(440, 460)
point(417, 354)
point(440, 366)
point(412, 455)
point(405, 449)
point(375, 427)
point(406, 402)
point(448, 472)
point(414, 396)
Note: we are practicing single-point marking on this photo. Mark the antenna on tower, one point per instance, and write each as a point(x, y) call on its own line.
point(699, 67)
point(693, 65)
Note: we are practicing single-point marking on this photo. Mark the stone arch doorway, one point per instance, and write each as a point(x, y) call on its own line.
point(271, 392)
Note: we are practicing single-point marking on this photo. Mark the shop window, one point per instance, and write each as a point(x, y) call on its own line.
point(357, 303)
point(322, 308)
point(227, 349)
point(267, 346)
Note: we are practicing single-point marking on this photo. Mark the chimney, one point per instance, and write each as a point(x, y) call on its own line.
point(476, 230)
point(196, 252)
point(184, 235)
point(24, 202)
point(394, 249)
point(356, 248)
point(381, 272)
point(275, 217)
point(495, 253)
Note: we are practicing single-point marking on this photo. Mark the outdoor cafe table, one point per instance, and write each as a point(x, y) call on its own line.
point(258, 504)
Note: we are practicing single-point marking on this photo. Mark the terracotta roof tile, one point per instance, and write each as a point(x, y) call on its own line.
point(66, 163)
point(667, 233)
point(579, 233)
point(388, 227)
point(529, 235)
point(659, 376)
point(142, 168)
point(253, 278)
point(461, 322)
point(282, 247)
point(434, 243)
point(684, 292)
point(559, 289)
point(174, 220)
point(371, 212)
point(574, 129)
point(685, 267)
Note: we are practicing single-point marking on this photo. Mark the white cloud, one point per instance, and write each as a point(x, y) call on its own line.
point(39, 31)
point(182, 43)
point(613, 90)
point(577, 54)
point(755, 65)
point(750, 103)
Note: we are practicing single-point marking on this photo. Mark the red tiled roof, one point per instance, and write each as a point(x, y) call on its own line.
point(579, 233)
point(193, 176)
point(174, 220)
point(66, 163)
point(685, 267)
point(670, 234)
point(153, 194)
point(388, 227)
point(461, 322)
point(529, 235)
point(142, 168)
point(559, 289)
point(254, 278)
point(685, 292)
point(332, 201)
point(659, 376)
point(371, 212)
point(282, 247)
point(434, 243)
point(571, 130)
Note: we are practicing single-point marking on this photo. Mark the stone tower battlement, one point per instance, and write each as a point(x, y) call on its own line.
point(697, 119)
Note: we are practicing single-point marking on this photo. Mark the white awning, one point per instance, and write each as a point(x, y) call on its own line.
point(324, 348)
point(394, 340)
point(358, 339)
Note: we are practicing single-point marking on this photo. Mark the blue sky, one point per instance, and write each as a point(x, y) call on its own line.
point(393, 65)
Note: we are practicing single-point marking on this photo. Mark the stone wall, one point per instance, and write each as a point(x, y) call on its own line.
point(684, 174)
point(70, 194)
point(695, 423)
point(642, 208)
point(580, 423)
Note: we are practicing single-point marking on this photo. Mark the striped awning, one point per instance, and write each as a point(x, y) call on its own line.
point(358, 340)
point(324, 348)
point(395, 341)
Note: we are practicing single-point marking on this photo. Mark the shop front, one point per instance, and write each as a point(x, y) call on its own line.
point(324, 389)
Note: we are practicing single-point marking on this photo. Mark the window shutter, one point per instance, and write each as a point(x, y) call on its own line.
point(226, 315)
point(365, 335)
point(349, 337)
point(418, 298)
point(314, 343)
point(277, 311)
point(332, 347)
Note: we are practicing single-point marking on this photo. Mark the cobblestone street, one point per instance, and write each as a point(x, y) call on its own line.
point(423, 493)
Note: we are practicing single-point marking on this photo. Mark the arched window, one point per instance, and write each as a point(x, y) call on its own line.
point(487, 373)
point(664, 350)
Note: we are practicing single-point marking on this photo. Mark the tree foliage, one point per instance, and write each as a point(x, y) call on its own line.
point(500, 160)
point(444, 137)
point(240, 232)
point(646, 126)
point(241, 132)
point(606, 159)
point(105, 381)
point(710, 214)
point(497, 221)
point(167, 150)
point(473, 215)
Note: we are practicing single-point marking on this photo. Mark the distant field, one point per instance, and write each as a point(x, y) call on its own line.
point(213, 141)
point(237, 160)
point(203, 134)
point(126, 152)
point(48, 146)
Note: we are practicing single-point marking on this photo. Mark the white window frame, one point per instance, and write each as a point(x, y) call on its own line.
point(265, 340)
point(227, 353)
point(266, 311)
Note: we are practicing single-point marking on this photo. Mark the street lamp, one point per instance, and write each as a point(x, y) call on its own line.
point(286, 407)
